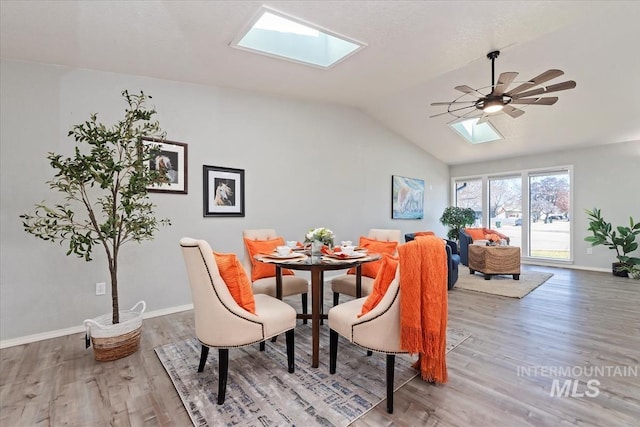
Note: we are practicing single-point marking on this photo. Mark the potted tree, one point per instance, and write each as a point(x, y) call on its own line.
point(621, 239)
point(104, 185)
point(456, 219)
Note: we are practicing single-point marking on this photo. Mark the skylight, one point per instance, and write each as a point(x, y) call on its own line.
point(476, 133)
point(277, 35)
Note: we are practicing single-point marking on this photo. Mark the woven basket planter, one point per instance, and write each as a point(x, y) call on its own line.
point(111, 342)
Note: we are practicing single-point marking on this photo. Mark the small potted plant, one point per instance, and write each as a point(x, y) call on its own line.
point(621, 239)
point(104, 187)
point(457, 218)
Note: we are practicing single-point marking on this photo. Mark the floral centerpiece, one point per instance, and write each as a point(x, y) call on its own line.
point(322, 235)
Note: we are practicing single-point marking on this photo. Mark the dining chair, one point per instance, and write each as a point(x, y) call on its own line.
point(291, 284)
point(221, 323)
point(377, 331)
point(346, 283)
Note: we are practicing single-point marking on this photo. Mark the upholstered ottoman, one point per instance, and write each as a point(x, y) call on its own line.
point(490, 260)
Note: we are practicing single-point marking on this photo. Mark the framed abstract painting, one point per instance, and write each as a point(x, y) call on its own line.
point(407, 198)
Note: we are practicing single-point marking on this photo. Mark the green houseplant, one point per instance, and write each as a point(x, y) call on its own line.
point(104, 186)
point(457, 218)
point(621, 239)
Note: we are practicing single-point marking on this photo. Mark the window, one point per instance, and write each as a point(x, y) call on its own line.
point(505, 207)
point(474, 132)
point(278, 35)
point(549, 225)
point(468, 194)
point(532, 207)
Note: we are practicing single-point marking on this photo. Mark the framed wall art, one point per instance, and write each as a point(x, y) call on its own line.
point(407, 198)
point(172, 161)
point(223, 191)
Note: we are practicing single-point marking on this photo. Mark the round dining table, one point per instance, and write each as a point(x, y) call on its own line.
point(317, 265)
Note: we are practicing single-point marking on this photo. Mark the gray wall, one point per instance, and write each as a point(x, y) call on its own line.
point(306, 164)
point(606, 177)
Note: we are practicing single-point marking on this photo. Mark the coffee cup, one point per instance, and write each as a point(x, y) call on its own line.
point(347, 250)
point(283, 250)
point(292, 244)
point(346, 243)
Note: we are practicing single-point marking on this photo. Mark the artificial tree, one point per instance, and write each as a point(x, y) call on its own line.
point(104, 184)
point(457, 218)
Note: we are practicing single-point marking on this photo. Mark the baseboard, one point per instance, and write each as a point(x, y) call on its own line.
point(567, 266)
point(77, 329)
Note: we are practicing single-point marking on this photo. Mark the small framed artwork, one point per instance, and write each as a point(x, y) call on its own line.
point(171, 161)
point(223, 191)
point(407, 198)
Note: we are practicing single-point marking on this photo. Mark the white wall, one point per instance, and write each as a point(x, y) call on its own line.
point(306, 165)
point(606, 177)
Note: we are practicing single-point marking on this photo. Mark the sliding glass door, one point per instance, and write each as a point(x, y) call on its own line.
point(549, 221)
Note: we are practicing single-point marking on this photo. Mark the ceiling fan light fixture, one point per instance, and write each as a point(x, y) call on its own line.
point(501, 96)
point(493, 106)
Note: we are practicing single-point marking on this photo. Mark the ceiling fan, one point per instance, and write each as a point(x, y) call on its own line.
point(500, 100)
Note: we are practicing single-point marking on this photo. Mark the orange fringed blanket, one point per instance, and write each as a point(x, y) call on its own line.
point(423, 305)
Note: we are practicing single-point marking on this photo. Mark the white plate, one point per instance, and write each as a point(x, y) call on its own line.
point(288, 256)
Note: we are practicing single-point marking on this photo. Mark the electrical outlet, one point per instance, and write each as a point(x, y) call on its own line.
point(101, 288)
point(589, 251)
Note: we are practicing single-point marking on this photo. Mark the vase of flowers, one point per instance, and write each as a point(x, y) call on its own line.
point(319, 237)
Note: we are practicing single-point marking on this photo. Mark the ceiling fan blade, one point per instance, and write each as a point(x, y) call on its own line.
point(484, 118)
point(544, 77)
point(569, 84)
point(512, 111)
point(504, 81)
point(550, 100)
point(453, 102)
point(451, 111)
point(467, 89)
point(468, 115)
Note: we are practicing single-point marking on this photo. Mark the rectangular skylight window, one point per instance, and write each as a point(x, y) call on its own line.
point(476, 133)
point(277, 35)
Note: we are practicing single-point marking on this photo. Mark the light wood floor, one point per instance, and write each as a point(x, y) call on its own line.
point(577, 319)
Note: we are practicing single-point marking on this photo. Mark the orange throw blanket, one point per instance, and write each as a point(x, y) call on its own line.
point(423, 305)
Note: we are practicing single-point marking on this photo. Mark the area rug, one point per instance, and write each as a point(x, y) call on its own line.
point(503, 285)
point(260, 391)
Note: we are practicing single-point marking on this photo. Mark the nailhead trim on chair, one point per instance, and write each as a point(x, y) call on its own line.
point(233, 346)
point(223, 304)
point(375, 317)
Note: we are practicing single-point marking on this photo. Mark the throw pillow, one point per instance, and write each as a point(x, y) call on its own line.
point(475, 233)
point(370, 269)
point(424, 233)
point(236, 279)
point(381, 284)
point(260, 270)
point(493, 237)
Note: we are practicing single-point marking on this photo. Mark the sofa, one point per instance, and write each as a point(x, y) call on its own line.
point(453, 259)
point(466, 237)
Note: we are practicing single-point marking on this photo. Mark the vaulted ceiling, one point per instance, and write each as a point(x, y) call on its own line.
point(417, 52)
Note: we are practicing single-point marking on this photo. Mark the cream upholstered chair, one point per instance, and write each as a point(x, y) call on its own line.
point(291, 285)
point(220, 322)
point(377, 330)
point(346, 283)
